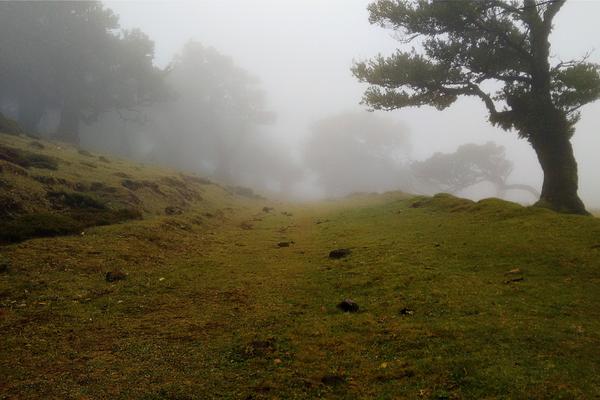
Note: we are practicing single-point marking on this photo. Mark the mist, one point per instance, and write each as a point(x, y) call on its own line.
point(284, 67)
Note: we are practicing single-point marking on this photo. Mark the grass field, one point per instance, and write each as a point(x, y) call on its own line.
point(458, 300)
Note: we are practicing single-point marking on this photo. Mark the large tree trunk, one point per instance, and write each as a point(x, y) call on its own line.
point(559, 191)
point(68, 128)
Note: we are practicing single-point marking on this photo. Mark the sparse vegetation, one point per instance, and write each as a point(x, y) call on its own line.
point(27, 159)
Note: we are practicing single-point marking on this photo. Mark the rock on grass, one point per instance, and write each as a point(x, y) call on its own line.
point(114, 276)
point(348, 305)
point(339, 253)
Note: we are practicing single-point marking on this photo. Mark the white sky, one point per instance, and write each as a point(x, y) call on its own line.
point(302, 51)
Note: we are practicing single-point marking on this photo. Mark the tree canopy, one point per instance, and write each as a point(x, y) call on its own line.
point(358, 152)
point(71, 57)
point(497, 51)
point(469, 165)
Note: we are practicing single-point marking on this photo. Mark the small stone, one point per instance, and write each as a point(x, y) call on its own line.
point(348, 305)
point(331, 380)
point(114, 276)
point(406, 311)
point(516, 279)
point(277, 361)
point(339, 253)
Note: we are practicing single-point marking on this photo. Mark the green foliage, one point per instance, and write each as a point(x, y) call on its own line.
point(468, 44)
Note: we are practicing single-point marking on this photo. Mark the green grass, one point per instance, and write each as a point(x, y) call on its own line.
point(212, 307)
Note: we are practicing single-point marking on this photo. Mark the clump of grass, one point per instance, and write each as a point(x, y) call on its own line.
point(30, 226)
point(182, 188)
point(84, 153)
point(37, 225)
point(12, 169)
point(27, 159)
point(88, 164)
point(196, 179)
point(74, 200)
point(104, 217)
point(244, 192)
point(36, 145)
point(137, 185)
point(102, 187)
point(50, 180)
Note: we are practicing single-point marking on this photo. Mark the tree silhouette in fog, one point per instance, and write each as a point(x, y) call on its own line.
point(468, 47)
point(219, 101)
point(358, 152)
point(469, 165)
point(71, 58)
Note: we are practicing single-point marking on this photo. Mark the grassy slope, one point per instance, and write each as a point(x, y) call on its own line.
point(213, 308)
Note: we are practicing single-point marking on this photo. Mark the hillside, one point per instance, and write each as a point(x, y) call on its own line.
point(194, 291)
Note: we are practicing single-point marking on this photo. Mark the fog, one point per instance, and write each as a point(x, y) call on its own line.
point(297, 56)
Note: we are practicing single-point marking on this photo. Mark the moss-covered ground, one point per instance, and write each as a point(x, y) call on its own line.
point(458, 300)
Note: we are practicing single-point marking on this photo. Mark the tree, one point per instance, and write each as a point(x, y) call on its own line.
point(471, 46)
point(217, 105)
point(71, 57)
point(210, 124)
point(358, 152)
point(469, 165)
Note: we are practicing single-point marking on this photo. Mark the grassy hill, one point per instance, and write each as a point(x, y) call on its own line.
point(212, 295)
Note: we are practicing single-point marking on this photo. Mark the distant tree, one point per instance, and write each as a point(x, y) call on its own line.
point(212, 123)
point(358, 152)
point(217, 105)
point(470, 46)
point(71, 57)
point(469, 165)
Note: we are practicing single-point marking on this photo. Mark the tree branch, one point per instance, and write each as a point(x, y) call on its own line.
point(554, 7)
